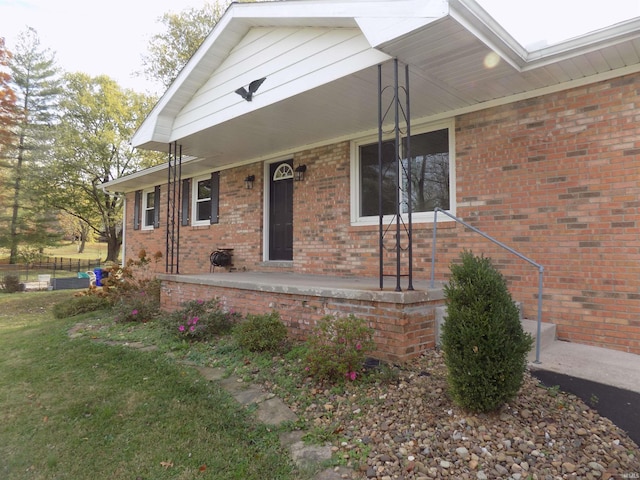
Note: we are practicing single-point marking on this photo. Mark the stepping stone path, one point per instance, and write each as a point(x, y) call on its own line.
point(270, 410)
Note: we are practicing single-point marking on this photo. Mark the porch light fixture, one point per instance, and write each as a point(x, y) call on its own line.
point(248, 182)
point(298, 174)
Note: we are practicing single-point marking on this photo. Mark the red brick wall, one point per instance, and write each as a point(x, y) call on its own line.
point(558, 178)
point(555, 177)
point(403, 329)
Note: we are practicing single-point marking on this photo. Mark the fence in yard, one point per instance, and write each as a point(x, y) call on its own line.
point(54, 266)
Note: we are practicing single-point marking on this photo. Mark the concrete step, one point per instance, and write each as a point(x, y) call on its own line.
point(547, 330)
point(547, 335)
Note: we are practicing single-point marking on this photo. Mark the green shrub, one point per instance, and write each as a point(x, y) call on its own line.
point(77, 305)
point(11, 284)
point(337, 348)
point(261, 333)
point(141, 304)
point(200, 320)
point(485, 348)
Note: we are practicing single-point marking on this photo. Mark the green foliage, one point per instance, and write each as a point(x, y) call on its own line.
point(170, 50)
point(78, 305)
point(34, 77)
point(97, 120)
point(200, 320)
point(261, 333)
point(482, 338)
point(337, 348)
point(142, 305)
point(11, 284)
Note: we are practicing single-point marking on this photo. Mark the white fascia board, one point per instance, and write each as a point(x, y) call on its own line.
point(380, 29)
point(477, 21)
point(589, 42)
point(335, 10)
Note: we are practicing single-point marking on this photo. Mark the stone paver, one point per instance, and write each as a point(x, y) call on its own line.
point(270, 410)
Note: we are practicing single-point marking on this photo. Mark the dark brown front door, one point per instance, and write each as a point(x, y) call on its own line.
point(281, 211)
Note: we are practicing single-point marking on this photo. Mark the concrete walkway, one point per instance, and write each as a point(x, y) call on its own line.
point(606, 380)
point(600, 365)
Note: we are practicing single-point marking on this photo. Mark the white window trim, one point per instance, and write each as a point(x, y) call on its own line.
point(194, 201)
point(143, 220)
point(417, 217)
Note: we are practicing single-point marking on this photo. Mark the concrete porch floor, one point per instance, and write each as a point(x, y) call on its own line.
point(360, 288)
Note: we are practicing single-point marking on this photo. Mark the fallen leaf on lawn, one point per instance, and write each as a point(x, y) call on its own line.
point(168, 464)
point(202, 468)
point(45, 419)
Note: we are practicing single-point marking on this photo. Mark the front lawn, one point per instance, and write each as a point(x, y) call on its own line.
point(79, 409)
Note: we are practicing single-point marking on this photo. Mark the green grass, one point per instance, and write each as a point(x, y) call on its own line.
point(78, 409)
point(70, 250)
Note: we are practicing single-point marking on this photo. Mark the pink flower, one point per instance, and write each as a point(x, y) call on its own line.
point(181, 328)
point(134, 312)
point(195, 320)
point(358, 346)
point(351, 376)
point(200, 302)
point(192, 328)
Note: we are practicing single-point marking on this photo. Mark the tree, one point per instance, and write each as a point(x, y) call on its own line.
point(170, 51)
point(7, 102)
point(36, 83)
point(7, 124)
point(97, 120)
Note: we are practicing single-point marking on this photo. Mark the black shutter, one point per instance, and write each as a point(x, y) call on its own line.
point(186, 200)
point(156, 207)
point(137, 204)
point(215, 196)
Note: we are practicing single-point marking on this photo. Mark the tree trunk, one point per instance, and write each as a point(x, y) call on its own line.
point(84, 234)
point(113, 249)
point(13, 228)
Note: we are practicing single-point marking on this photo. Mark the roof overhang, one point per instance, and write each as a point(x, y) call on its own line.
point(459, 60)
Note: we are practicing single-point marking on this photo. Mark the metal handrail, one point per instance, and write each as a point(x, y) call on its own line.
point(500, 244)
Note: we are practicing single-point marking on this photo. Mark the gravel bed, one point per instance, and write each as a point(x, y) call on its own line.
point(409, 428)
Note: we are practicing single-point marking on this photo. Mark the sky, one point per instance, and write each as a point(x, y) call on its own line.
point(110, 37)
point(93, 36)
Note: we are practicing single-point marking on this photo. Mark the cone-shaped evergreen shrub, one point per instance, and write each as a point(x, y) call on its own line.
point(485, 348)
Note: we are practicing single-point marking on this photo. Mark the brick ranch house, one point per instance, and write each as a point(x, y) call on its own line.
point(538, 149)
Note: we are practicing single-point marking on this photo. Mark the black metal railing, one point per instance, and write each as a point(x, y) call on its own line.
point(500, 244)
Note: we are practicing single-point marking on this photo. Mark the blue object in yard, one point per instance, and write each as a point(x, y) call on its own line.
point(98, 272)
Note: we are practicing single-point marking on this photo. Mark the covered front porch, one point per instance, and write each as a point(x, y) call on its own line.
point(404, 321)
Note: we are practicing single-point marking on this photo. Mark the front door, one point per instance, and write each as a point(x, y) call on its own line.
point(281, 211)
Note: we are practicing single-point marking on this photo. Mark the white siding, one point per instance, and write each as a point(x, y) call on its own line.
point(293, 60)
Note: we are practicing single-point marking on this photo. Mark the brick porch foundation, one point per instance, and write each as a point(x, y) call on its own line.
point(404, 322)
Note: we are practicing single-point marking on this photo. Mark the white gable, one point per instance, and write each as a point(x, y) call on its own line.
point(293, 61)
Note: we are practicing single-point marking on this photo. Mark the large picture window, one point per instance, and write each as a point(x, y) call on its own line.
point(426, 179)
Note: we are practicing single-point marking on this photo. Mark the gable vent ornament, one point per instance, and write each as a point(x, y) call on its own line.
point(253, 88)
